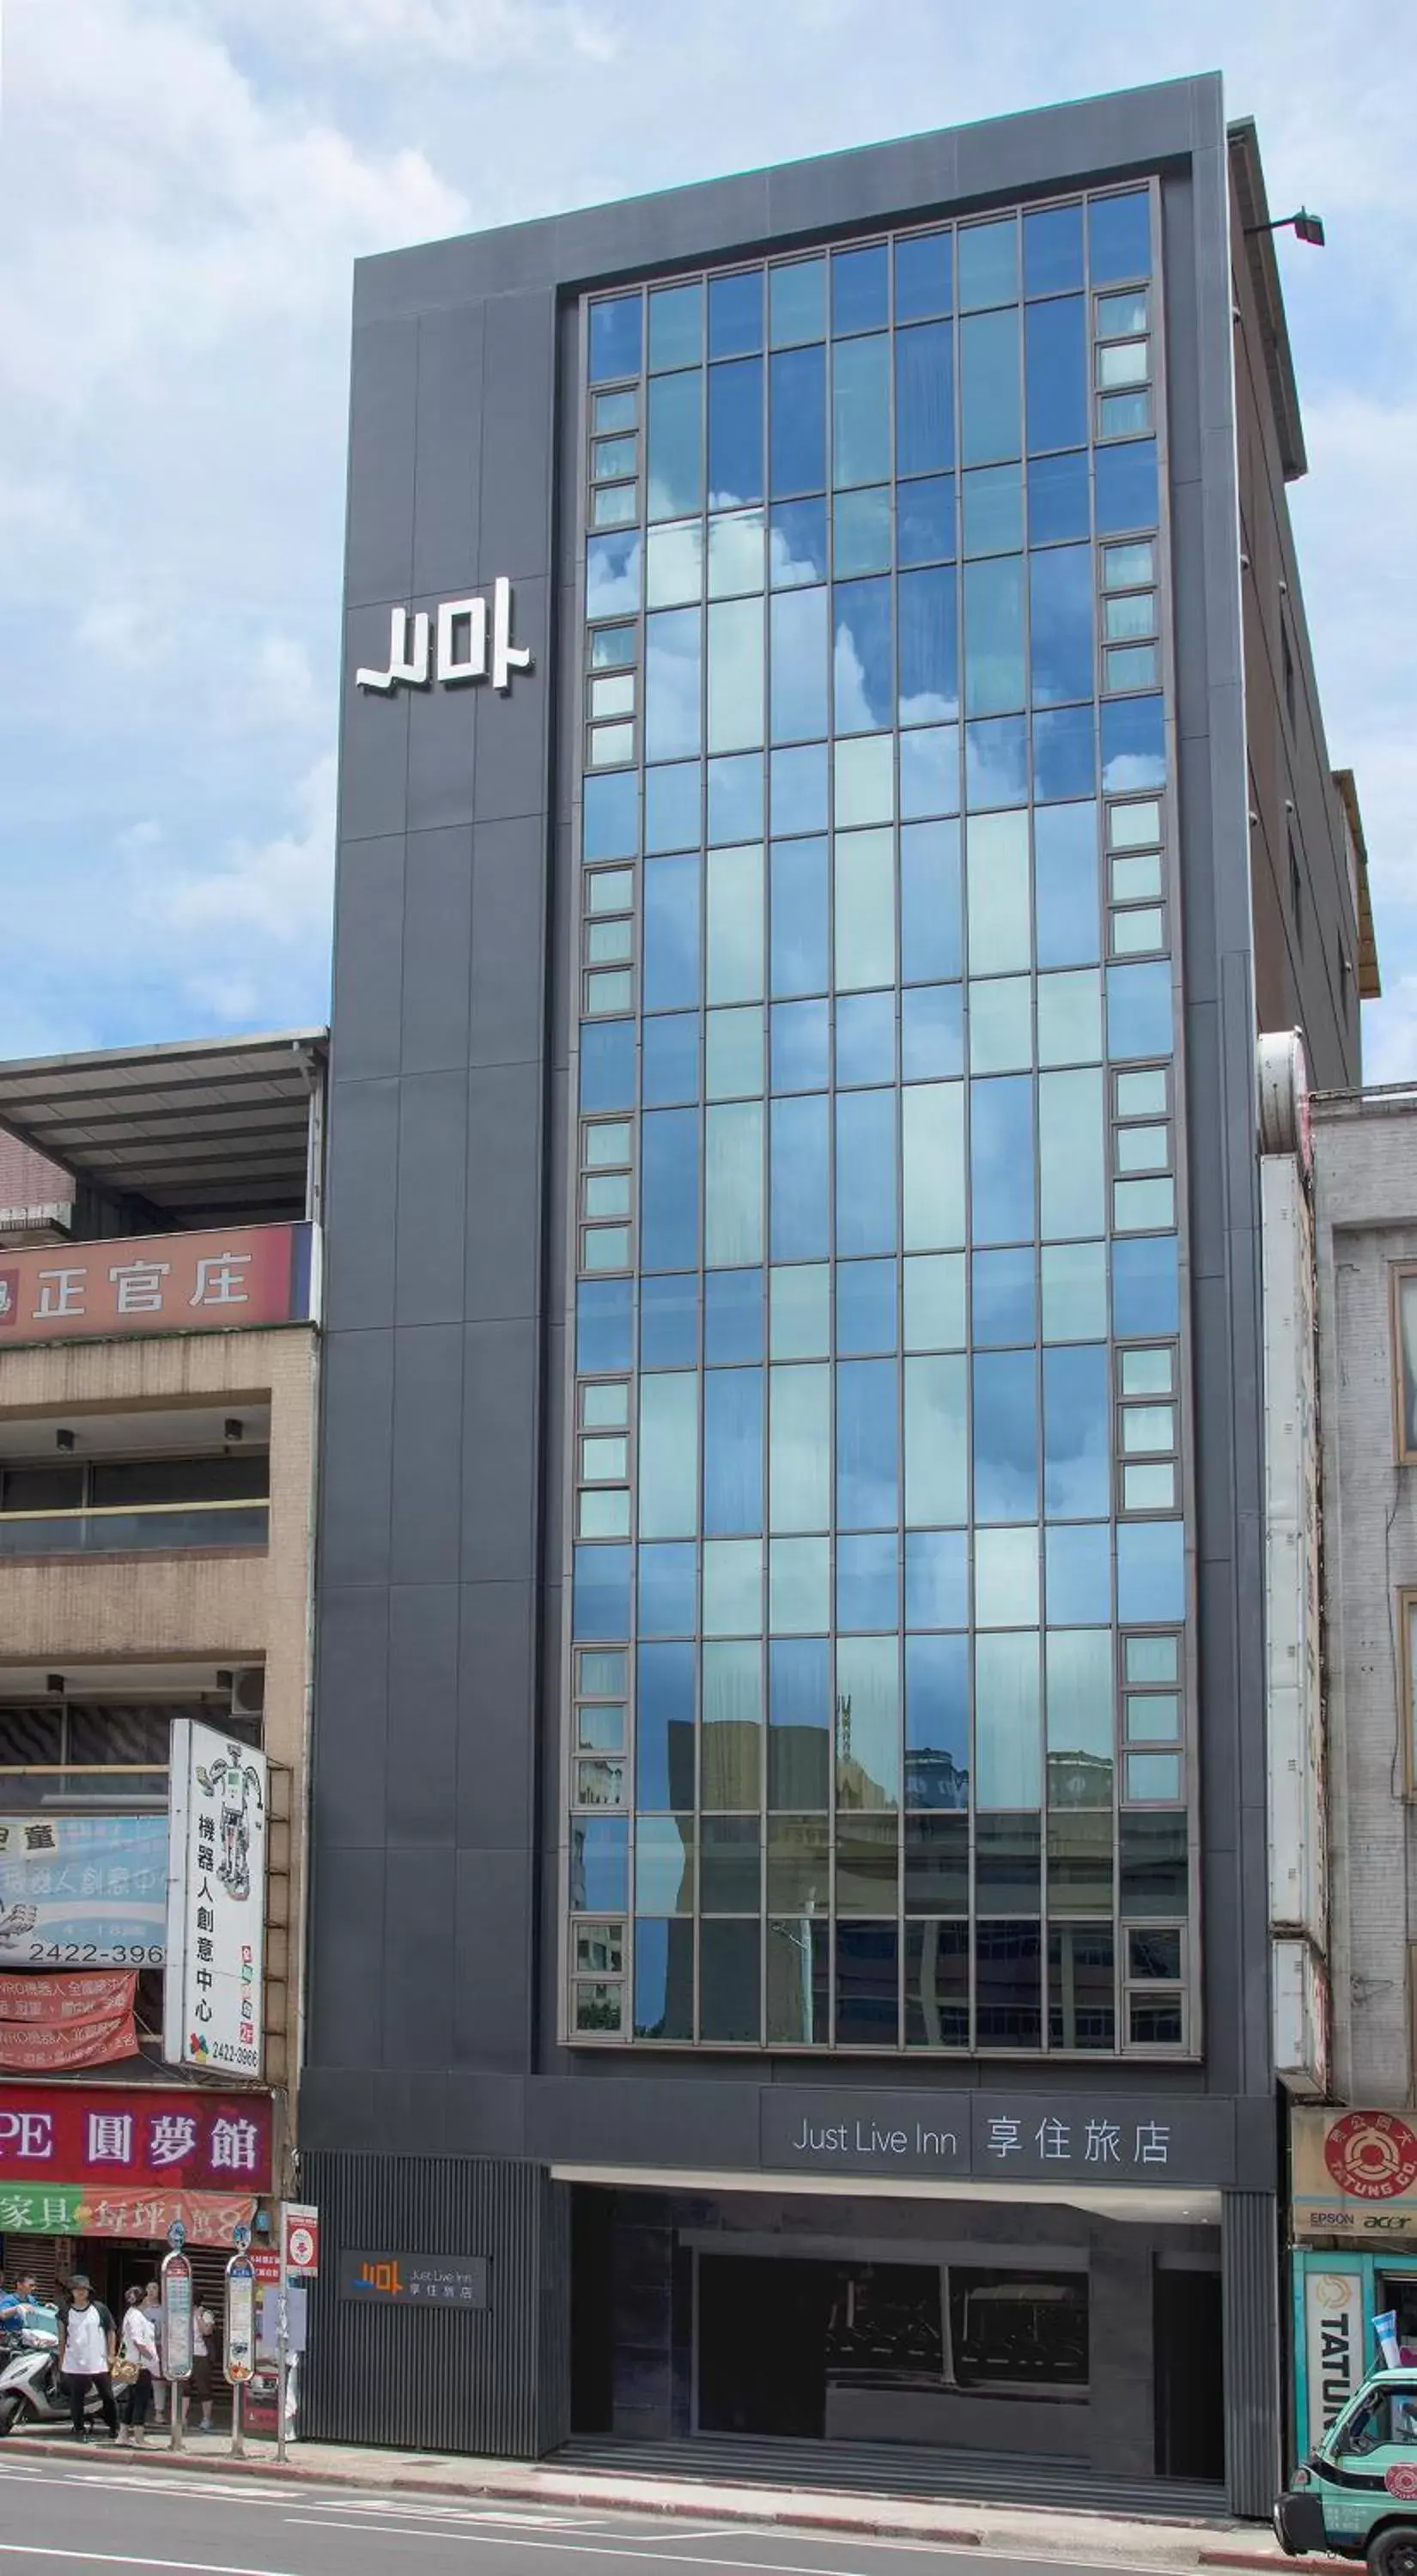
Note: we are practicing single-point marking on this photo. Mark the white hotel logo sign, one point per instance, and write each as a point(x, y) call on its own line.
point(462, 645)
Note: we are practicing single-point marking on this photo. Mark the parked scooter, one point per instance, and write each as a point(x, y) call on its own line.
point(31, 2389)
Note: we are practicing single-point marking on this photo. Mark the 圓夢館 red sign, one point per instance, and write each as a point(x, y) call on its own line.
point(138, 2137)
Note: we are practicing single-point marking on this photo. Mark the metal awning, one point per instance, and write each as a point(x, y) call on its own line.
point(210, 1131)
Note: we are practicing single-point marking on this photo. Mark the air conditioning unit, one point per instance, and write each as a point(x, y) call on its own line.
point(248, 1690)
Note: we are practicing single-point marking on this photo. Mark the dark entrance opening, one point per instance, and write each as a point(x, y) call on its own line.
point(777, 2338)
point(1190, 2415)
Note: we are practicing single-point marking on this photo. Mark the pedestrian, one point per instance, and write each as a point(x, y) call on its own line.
point(140, 2352)
point(152, 2304)
point(88, 2342)
point(200, 2384)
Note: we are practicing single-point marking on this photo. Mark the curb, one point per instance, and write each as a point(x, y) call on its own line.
point(1254, 2558)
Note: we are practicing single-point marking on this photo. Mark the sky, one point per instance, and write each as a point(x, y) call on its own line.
point(184, 185)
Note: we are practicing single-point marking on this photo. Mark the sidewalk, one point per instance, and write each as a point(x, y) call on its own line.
point(1000, 2530)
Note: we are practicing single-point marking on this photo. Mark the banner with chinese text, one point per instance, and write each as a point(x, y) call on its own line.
point(216, 1901)
point(136, 2137)
point(156, 1283)
point(69, 2209)
point(83, 1891)
point(49, 2025)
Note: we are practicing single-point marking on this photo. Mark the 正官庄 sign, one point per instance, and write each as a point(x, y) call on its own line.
point(156, 1283)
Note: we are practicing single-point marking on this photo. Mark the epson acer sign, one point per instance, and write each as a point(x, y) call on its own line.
point(470, 646)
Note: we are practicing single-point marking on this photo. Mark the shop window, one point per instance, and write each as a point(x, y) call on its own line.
point(1404, 1326)
point(1018, 2329)
point(1407, 1634)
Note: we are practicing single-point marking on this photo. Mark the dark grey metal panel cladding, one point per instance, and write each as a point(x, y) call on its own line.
point(494, 2380)
point(1249, 2277)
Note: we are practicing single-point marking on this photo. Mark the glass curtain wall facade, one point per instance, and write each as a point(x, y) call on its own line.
point(879, 1672)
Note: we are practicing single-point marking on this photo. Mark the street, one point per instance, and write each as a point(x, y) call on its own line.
point(96, 2513)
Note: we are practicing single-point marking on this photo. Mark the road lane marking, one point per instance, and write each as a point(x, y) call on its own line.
point(110, 2558)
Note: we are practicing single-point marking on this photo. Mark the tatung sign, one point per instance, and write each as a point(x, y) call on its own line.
point(1354, 2173)
point(464, 649)
point(216, 1901)
point(1333, 2345)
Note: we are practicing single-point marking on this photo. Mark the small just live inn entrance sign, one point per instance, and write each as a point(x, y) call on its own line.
point(468, 648)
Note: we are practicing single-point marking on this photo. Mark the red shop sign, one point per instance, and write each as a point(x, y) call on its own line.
point(156, 1283)
point(135, 2136)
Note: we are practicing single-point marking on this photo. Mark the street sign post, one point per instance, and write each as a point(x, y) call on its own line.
point(240, 2337)
point(177, 2330)
point(299, 2252)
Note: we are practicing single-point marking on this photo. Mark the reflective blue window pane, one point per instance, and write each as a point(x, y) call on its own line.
point(861, 654)
point(922, 276)
point(669, 1323)
point(936, 1578)
point(733, 1452)
point(1151, 1571)
point(859, 289)
point(1146, 1291)
point(668, 1588)
point(865, 1308)
point(676, 326)
point(1055, 363)
point(613, 574)
point(861, 531)
point(865, 1039)
point(604, 1322)
point(924, 399)
point(610, 817)
point(993, 636)
point(1119, 237)
point(936, 1720)
point(799, 1723)
point(669, 1189)
point(1060, 624)
point(798, 629)
point(798, 421)
point(1079, 1574)
point(664, 1978)
point(800, 1229)
point(676, 464)
point(996, 763)
point(600, 1864)
point(799, 789)
point(735, 799)
point(990, 424)
point(1076, 1432)
point(672, 807)
point(1058, 502)
point(669, 1070)
point(601, 1606)
point(1065, 885)
point(929, 675)
point(929, 772)
point(931, 1031)
point(991, 499)
point(797, 301)
point(798, 913)
point(800, 1046)
point(733, 1316)
point(1052, 250)
point(1139, 1010)
point(925, 521)
point(1005, 1436)
point(1064, 753)
point(1126, 487)
point(861, 411)
point(988, 264)
point(867, 1984)
point(664, 1727)
point(865, 1171)
point(867, 1583)
point(614, 339)
point(930, 901)
point(1001, 1160)
point(735, 433)
point(608, 1065)
point(866, 1445)
point(797, 544)
point(1133, 744)
point(671, 934)
point(673, 660)
point(735, 314)
point(1005, 1305)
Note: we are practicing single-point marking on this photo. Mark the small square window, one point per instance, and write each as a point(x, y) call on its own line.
point(611, 647)
point(1154, 1779)
point(601, 1782)
point(609, 992)
point(610, 890)
point(606, 1143)
point(1122, 362)
point(605, 1247)
point(606, 1194)
point(1156, 2024)
point(1142, 1095)
point(1153, 1717)
point(611, 745)
point(613, 411)
point(616, 505)
point(1123, 415)
point(1152, 1659)
point(605, 1408)
point(1140, 933)
point(1143, 1149)
point(1143, 1207)
point(603, 1515)
point(1134, 826)
point(602, 1672)
point(1149, 1489)
point(613, 697)
point(601, 1729)
point(1129, 613)
point(609, 943)
point(1148, 1372)
point(1154, 1955)
point(604, 1460)
point(1118, 316)
point(1129, 567)
point(612, 457)
point(600, 1949)
point(599, 2009)
point(1148, 1430)
point(1134, 879)
point(1132, 666)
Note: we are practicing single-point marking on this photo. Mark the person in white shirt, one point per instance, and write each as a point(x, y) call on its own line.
point(152, 2306)
point(88, 2340)
point(139, 2348)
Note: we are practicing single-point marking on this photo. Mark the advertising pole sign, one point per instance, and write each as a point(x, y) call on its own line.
point(1333, 2344)
point(216, 1901)
point(176, 2333)
point(1354, 2174)
point(239, 2336)
point(83, 1891)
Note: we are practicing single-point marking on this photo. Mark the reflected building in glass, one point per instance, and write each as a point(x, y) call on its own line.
point(790, 1744)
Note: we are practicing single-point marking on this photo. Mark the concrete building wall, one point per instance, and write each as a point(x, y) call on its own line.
point(1365, 1178)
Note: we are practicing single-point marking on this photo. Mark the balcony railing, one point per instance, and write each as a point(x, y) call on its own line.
point(128, 1529)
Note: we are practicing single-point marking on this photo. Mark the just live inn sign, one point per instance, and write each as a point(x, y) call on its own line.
point(465, 650)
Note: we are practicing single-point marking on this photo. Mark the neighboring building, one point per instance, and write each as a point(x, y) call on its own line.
point(157, 1419)
point(1354, 2164)
point(789, 1883)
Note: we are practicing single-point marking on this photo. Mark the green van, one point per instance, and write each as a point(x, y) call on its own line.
point(1357, 2496)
